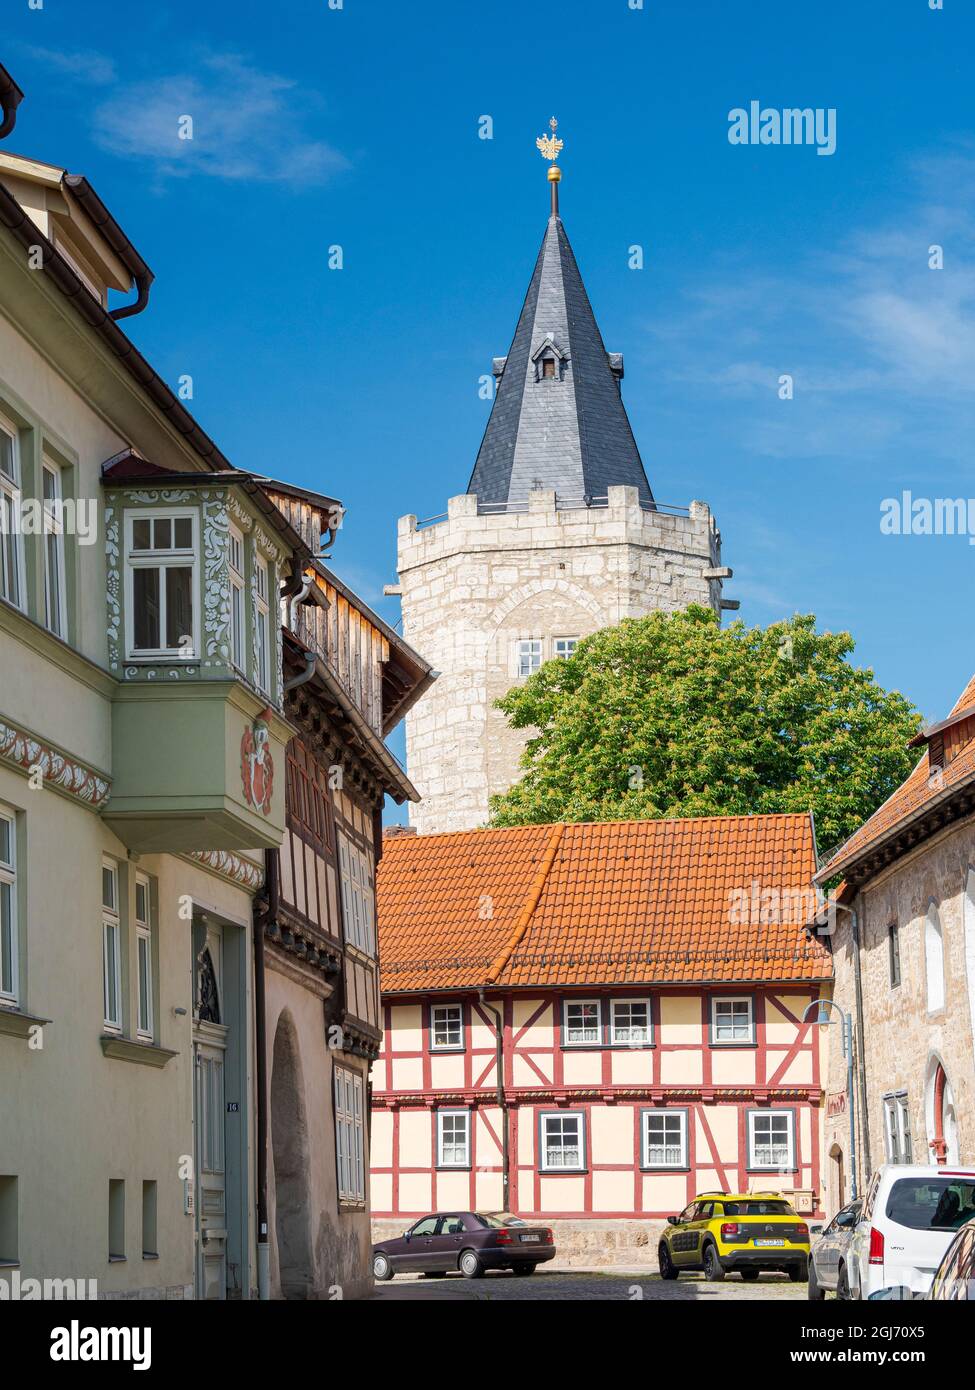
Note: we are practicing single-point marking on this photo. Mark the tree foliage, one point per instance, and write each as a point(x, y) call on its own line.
point(672, 715)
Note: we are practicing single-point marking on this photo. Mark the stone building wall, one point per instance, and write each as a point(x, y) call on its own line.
point(903, 1042)
point(473, 585)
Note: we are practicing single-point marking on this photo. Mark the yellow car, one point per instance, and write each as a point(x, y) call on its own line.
point(747, 1231)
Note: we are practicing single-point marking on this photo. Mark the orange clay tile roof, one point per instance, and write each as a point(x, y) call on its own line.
point(615, 902)
point(915, 794)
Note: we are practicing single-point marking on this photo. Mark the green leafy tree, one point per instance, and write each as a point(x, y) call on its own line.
point(672, 715)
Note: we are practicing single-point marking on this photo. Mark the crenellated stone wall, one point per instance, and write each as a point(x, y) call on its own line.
point(474, 585)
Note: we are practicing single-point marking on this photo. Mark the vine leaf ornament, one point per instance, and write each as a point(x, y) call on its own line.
point(549, 145)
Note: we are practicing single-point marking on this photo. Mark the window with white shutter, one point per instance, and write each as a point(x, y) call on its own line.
point(349, 1136)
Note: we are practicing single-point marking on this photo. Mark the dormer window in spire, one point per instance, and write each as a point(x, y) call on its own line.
point(549, 360)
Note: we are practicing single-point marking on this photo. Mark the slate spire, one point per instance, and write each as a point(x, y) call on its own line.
point(558, 420)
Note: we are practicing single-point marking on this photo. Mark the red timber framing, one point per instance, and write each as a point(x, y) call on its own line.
point(681, 1069)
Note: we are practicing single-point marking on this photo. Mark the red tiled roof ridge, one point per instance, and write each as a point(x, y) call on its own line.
point(401, 840)
point(528, 910)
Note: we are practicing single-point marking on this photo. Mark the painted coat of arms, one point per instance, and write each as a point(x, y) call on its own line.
point(257, 766)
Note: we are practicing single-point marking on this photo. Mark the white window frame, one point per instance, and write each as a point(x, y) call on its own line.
point(10, 988)
point(568, 1041)
point(112, 927)
point(580, 1119)
point(238, 604)
point(143, 946)
point(614, 1004)
point(464, 1162)
point(753, 1163)
point(358, 897)
point(349, 1135)
point(161, 560)
point(898, 1144)
point(56, 622)
point(526, 650)
point(12, 540)
point(262, 626)
point(447, 1046)
point(748, 1041)
point(562, 642)
point(681, 1163)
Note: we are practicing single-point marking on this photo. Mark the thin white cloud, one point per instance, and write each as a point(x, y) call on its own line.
point(246, 124)
point(84, 65)
point(880, 346)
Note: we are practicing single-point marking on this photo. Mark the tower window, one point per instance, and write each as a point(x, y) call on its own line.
point(529, 656)
point(548, 367)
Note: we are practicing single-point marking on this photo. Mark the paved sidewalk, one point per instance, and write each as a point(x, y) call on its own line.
point(585, 1285)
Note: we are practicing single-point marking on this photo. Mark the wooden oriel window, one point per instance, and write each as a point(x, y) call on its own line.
point(309, 801)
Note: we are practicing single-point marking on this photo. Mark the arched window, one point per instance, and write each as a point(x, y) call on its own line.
point(934, 961)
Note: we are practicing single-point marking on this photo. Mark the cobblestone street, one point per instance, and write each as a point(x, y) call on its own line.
point(585, 1286)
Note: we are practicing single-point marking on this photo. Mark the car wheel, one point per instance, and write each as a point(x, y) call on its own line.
point(843, 1284)
point(668, 1270)
point(799, 1273)
point(470, 1265)
point(713, 1271)
point(750, 1276)
point(816, 1294)
point(523, 1270)
point(381, 1268)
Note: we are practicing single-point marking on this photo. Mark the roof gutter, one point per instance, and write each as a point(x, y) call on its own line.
point(10, 98)
point(81, 189)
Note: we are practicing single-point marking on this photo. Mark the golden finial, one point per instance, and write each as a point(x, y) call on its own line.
point(550, 147)
point(548, 144)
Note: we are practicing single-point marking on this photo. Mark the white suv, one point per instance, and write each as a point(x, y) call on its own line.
point(909, 1218)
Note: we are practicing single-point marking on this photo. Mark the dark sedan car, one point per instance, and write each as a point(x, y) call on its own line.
point(471, 1241)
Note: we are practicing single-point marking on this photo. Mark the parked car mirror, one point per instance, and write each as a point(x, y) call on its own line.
point(673, 1220)
point(846, 1218)
point(815, 1230)
point(897, 1292)
point(407, 1235)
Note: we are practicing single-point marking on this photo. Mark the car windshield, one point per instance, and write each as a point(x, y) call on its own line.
point(758, 1209)
point(496, 1219)
point(931, 1204)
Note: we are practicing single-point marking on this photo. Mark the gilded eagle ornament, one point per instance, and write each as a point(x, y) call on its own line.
point(549, 146)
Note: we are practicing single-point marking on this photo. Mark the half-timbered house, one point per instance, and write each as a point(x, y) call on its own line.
point(348, 679)
point(592, 1023)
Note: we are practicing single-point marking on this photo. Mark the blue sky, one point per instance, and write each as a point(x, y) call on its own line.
point(359, 126)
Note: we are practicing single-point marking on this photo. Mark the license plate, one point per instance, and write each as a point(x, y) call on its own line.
point(769, 1242)
point(535, 1238)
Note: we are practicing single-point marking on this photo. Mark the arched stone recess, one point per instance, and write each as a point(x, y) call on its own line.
point(289, 1150)
point(542, 609)
point(939, 1114)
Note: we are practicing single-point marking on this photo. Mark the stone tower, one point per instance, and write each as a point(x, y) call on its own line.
point(558, 535)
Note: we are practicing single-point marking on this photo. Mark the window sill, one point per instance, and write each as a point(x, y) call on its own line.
point(452, 1167)
point(125, 1050)
point(563, 1172)
point(116, 1259)
point(439, 1051)
point(17, 1024)
point(665, 1168)
point(732, 1046)
point(149, 1255)
point(608, 1047)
